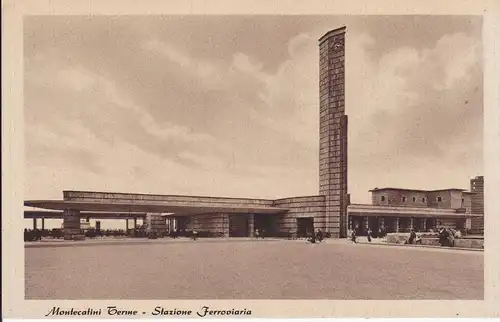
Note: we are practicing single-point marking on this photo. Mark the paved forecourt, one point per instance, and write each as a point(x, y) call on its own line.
point(273, 269)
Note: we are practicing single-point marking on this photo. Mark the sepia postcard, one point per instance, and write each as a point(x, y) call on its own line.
point(208, 160)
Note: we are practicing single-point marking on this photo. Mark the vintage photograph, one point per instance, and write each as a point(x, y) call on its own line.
point(253, 157)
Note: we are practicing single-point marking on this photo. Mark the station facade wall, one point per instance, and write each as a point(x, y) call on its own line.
point(301, 207)
point(399, 198)
point(105, 196)
point(442, 199)
point(213, 223)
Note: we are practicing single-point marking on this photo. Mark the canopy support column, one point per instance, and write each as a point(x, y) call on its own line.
point(71, 221)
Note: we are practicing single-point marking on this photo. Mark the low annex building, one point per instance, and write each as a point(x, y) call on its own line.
point(400, 210)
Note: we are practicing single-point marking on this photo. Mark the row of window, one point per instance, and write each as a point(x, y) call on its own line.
point(403, 199)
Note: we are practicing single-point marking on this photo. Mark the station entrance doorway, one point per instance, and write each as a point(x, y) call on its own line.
point(182, 223)
point(238, 226)
point(267, 225)
point(305, 227)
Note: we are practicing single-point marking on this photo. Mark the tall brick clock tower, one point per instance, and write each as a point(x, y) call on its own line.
point(333, 132)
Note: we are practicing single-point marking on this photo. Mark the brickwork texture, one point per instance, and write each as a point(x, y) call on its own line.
point(333, 131)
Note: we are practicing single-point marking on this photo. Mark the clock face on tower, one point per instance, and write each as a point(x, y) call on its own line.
point(337, 46)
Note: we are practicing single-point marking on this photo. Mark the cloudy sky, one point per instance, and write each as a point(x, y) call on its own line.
point(228, 105)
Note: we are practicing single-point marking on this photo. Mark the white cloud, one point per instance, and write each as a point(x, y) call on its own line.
point(101, 90)
point(397, 81)
point(392, 85)
point(123, 166)
point(300, 44)
point(290, 93)
point(75, 79)
point(130, 169)
point(207, 162)
point(169, 51)
point(243, 63)
point(459, 53)
point(397, 98)
point(211, 75)
point(173, 131)
point(389, 85)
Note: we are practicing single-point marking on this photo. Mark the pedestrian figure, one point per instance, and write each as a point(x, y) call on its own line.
point(451, 238)
point(418, 239)
point(319, 236)
point(443, 237)
point(353, 236)
point(195, 235)
point(412, 237)
point(369, 235)
point(257, 233)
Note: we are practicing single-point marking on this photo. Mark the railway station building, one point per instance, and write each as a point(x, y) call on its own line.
point(329, 211)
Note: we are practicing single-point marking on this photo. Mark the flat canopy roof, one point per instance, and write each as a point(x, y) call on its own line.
point(95, 215)
point(154, 207)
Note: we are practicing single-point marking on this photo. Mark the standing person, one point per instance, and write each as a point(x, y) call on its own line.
point(412, 237)
point(418, 239)
point(440, 236)
point(195, 235)
point(353, 236)
point(319, 236)
point(443, 237)
point(451, 238)
point(446, 235)
point(257, 233)
point(369, 235)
